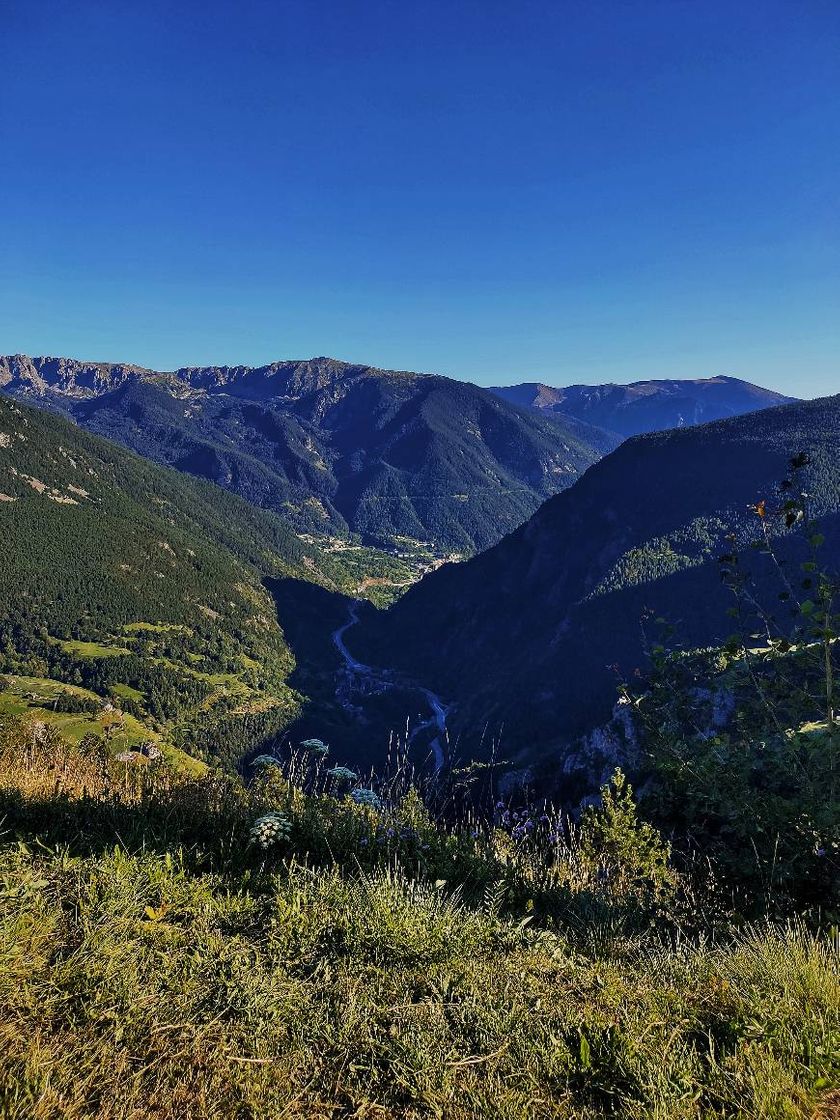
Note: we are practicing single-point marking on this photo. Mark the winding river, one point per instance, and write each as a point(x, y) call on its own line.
point(384, 680)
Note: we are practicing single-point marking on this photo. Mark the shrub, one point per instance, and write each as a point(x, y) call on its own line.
point(629, 854)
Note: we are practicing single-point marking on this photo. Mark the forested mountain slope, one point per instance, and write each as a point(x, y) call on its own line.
point(144, 585)
point(334, 448)
point(646, 406)
point(525, 639)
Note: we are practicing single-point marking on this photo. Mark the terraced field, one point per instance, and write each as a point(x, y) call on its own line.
point(37, 698)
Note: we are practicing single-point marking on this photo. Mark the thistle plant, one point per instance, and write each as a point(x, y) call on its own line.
point(272, 828)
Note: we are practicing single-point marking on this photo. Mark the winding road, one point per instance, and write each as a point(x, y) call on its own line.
point(437, 709)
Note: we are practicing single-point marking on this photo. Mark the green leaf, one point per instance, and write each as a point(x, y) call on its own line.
point(585, 1052)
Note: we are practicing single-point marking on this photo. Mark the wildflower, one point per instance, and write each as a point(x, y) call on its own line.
point(368, 797)
point(315, 746)
point(270, 829)
point(343, 774)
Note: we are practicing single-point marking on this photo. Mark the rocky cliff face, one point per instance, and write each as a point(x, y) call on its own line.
point(24, 376)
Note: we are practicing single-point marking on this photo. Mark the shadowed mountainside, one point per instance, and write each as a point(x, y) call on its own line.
point(334, 448)
point(525, 638)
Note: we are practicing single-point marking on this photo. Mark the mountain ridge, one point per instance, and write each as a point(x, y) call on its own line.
point(524, 637)
point(336, 448)
point(648, 405)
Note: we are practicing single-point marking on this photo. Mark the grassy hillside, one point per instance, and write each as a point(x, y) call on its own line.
point(372, 962)
point(145, 586)
point(78, 714)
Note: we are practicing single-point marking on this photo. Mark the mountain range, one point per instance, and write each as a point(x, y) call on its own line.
point(385, 457)
point(335, 448)
point(645, 406)
point(528, 641)
point(125, 574)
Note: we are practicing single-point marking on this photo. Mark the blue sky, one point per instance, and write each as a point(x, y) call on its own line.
point(499, 191)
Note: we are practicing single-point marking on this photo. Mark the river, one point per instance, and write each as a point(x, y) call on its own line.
point(384, 680)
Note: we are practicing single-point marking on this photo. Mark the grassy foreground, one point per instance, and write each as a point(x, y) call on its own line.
point(154, 963)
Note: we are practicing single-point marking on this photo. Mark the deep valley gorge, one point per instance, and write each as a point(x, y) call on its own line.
point(344, 485)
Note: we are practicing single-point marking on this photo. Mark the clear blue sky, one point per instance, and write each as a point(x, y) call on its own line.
point(499, 190)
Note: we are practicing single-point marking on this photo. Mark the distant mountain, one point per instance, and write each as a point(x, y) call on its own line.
point(332, 447)
point(645, 406)
point(525, 637)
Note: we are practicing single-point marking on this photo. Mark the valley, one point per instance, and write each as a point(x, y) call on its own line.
point(587, 774)
point(145, 586)
point(359, 675)
point(523, 641)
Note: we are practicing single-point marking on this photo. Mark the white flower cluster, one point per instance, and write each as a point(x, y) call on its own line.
point(343, 774)
point(368, 797)
point(265, 760)
point(270, 829)
point(315, 746)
